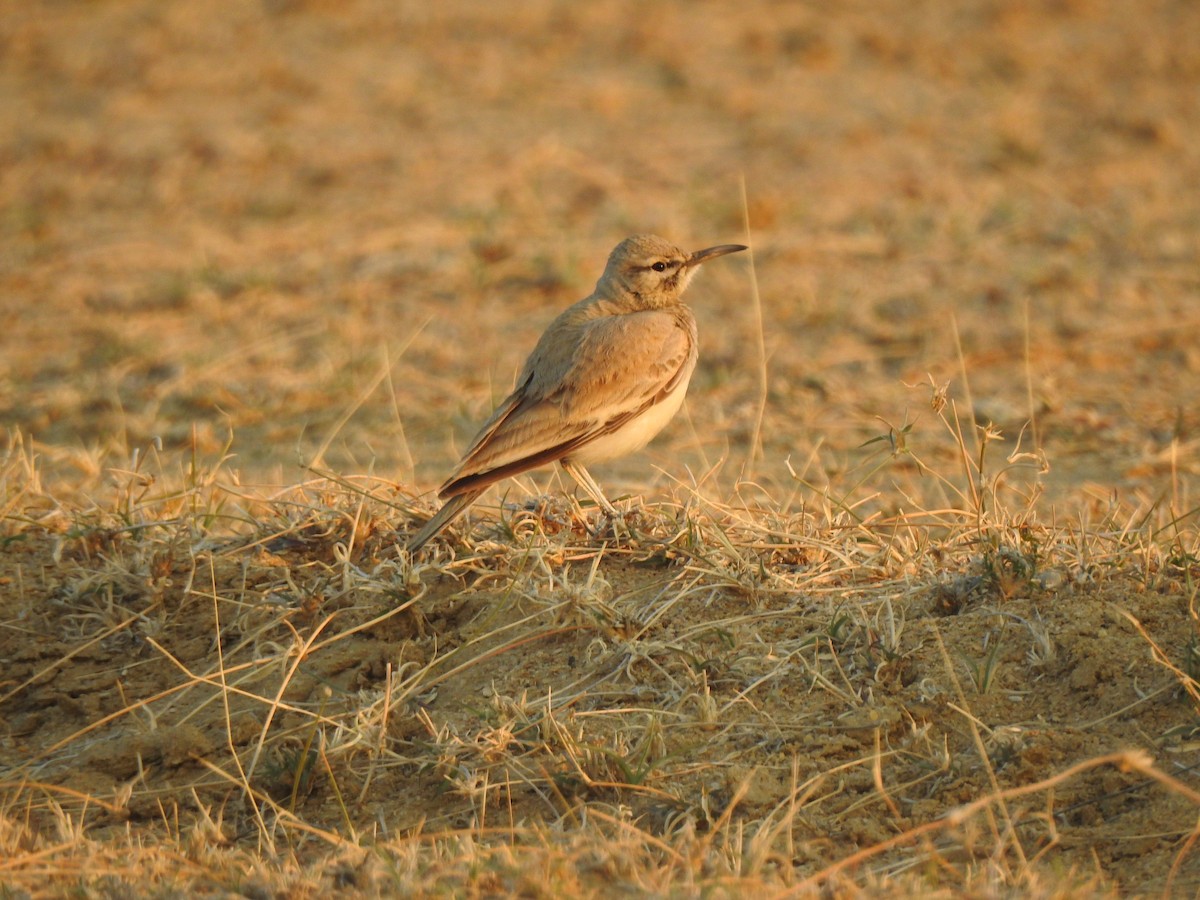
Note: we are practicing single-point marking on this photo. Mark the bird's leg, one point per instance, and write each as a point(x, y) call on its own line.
point(584, 479)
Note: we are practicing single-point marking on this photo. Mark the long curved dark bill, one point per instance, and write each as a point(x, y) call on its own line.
point(712, 252)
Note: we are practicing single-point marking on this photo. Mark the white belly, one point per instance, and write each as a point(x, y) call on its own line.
point(635, 434)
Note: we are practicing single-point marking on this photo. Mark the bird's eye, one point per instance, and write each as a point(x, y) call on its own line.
point(659, 266)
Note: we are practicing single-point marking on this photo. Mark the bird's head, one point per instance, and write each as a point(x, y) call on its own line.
point(652, 271)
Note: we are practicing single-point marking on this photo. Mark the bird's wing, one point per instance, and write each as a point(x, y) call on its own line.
point(591, 382)
point(622, 363)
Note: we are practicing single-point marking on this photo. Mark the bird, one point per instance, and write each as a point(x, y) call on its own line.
point(604, 378)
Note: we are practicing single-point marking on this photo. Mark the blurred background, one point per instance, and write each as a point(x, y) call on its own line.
point(341, 226)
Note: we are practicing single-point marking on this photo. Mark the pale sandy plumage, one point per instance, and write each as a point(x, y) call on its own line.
point(604, 379)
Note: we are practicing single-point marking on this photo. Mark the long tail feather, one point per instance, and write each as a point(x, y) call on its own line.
point(453, 508)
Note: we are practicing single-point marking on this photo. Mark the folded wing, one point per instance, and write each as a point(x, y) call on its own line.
point(595, 378)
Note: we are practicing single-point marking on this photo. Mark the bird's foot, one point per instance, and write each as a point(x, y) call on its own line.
point(618, 526)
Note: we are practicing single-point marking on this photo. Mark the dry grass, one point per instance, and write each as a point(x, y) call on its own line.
point(264, 693)
point(910, 601)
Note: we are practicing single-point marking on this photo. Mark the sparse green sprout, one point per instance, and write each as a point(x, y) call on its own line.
point(984, 670)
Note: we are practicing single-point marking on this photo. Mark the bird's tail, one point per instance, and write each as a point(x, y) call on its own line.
point(453, 508)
